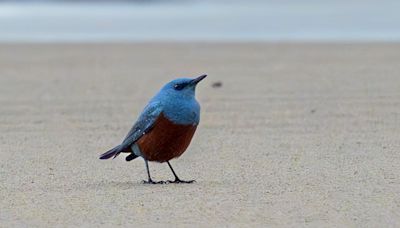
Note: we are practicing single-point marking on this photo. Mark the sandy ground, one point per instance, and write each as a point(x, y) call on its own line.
point(298, 135)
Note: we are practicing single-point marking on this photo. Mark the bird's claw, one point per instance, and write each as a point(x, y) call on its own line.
point(179, 181)
point(153, 182)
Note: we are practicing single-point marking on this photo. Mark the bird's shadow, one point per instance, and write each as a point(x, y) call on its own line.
point(126, 185)
point(103, 185)
point(122, 185)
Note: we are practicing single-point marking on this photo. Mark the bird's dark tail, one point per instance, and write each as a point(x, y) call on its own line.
point(131, 157)
point(113, 152)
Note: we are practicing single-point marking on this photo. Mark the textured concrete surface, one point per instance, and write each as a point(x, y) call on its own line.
point(298, 134)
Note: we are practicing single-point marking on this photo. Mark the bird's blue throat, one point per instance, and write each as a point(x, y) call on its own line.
point(180, 110)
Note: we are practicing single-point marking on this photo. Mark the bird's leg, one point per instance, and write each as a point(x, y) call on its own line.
point(150, 181)
point(177, 180)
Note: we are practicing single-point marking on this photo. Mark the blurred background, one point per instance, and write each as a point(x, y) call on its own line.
point(199, 20)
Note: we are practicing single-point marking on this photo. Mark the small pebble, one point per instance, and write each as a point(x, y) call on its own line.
point(216, 84)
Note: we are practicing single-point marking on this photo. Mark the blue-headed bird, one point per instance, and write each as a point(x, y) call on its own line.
point(165, 127)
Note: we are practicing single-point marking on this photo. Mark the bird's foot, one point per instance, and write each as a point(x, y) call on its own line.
point(179, 181)
point(153, 182)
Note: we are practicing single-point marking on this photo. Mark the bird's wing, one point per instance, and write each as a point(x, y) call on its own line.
point(144, 124)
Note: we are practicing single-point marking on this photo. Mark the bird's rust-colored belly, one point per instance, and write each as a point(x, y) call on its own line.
point(166, 140)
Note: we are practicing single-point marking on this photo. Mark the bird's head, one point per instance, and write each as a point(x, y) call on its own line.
point(183, 86)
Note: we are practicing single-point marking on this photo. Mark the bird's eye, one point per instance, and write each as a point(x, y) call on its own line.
point(179, 86)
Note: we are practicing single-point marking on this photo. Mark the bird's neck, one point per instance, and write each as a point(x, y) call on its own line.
point(184, 112)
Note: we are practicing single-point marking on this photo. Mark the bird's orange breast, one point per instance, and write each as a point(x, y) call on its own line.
point(166, 140)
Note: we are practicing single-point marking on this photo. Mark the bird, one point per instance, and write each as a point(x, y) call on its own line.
point(165, 128)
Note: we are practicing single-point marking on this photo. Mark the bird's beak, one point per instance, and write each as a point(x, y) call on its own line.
point(198, 79)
